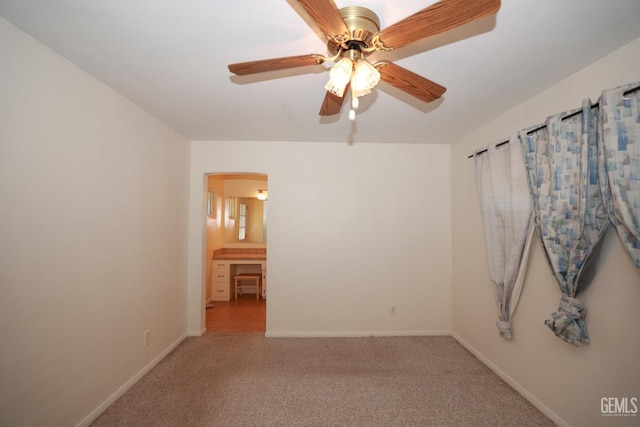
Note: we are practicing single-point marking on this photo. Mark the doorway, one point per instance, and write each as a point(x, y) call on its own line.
point(236, 221)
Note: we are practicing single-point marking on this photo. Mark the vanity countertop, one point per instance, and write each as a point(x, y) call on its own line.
point(245, 257)
point(244, 254)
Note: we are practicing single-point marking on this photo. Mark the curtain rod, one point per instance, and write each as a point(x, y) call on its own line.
point(568, 116)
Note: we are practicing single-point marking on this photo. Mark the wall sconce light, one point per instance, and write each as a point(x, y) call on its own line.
point(262, 195)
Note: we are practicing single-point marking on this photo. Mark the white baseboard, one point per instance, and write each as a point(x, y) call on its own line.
point(126, 386)
point(513, 383)
point(196, 333)
point(354, 334)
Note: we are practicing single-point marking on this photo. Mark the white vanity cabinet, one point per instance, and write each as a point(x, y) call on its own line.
point(222, 272)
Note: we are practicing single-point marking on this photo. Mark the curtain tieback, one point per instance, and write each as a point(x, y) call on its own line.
point(504, 328)
point(568, 322)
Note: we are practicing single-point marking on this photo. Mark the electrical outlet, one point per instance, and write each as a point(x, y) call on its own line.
point(147, 337)
point(393, 310)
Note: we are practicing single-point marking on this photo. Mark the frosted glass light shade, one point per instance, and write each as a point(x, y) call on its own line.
point(339, 76)
point(365, 77)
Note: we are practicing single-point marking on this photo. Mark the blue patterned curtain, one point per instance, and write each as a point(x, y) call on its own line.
point(570, 216)
point(619, 152)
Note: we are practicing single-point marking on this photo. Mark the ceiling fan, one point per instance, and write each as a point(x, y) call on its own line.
point(353, 33)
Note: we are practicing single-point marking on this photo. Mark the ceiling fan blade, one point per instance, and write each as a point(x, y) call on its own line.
point(251, 67)
point(437, 18)
point(332, 103)
point(326, 14)
point(411, 83)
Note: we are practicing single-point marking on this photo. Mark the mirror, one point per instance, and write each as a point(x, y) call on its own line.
point(246, 220)
point(211, 203)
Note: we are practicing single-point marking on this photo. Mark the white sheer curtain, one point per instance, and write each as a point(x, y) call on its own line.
point(501, 182)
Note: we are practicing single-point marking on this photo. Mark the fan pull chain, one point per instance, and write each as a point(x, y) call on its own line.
point(355, 103)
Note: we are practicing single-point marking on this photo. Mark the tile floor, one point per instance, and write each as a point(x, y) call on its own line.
point(246, 314)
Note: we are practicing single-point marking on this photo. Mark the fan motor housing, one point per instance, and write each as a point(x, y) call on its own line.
point(363, 23)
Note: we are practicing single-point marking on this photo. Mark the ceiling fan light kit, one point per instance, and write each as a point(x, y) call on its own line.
point(353, 33)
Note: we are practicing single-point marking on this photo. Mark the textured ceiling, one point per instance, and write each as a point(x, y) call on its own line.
point(170, 57)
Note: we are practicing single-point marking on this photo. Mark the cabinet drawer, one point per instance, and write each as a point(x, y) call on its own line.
point(220, 264)
point(220, 294)
point(220, 275)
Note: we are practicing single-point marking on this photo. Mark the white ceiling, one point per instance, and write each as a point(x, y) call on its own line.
point(170, 57)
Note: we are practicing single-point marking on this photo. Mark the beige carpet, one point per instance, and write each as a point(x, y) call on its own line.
point(248, 380)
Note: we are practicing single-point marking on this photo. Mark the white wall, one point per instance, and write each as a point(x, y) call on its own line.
point(353, 230)
point(93, 225)
point(568, 381)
